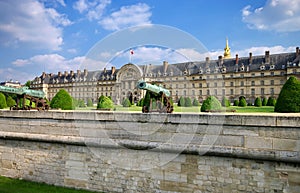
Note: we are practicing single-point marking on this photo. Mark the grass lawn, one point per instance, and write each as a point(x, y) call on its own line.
point(8, 185)
point(252, 109)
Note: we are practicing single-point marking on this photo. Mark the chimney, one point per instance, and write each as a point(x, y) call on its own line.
point(165, 65)
point(113, 70)
point(72, 73)
point(220, 60)
point(104, 70)
point(297, 51)
point(59, 74)
point(85, 72)
point(267, 57)
point(236, 59)
point(78, 72)
point(250, 58)
point(43, 75)
point(207, 62)
point(66, 73)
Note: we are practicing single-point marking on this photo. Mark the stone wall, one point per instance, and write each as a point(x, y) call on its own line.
point(134, 152)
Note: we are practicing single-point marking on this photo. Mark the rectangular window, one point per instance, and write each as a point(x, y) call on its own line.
point(253, 91)
point(262, 82)
point(200, 92)
point(272, 82)
point(242, 91)
point(216, 84)
point(262, 91)
point(207, 92)
point(242, 83)
point(216, 92)
point(231, 83)
point(200, 85)
point(231, 92)
point(272, 91)
point(223, 92)
point(252, 83)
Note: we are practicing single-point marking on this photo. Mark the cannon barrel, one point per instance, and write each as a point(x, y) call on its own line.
point(153, 88)
point(23, 90)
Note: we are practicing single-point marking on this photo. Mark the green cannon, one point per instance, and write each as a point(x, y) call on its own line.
point(160, 100)
point(34, 96)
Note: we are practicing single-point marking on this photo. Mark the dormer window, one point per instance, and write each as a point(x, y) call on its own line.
point(242, 68)
point(272, 67)
point(262, 67)
point(200, 71)
point(216, 70)
point(208, 70)
point(224, 70)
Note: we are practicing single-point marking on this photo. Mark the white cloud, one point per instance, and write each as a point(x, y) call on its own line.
point(51, 62)
point(127, 16)
point(31, 23)
point(15, 75)
point(276, 15)
point(93, 10)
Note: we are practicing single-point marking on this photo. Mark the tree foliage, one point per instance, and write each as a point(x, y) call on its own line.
point(211, 104)
point(2, 101)
point(188, 102)
point(236, 102)
point(264, 102)
point(271, 101)
point(196, 102)
point(225, 102)
point(126, 103)
point(89, 103)
point(242, 102)
point(10, 101)
point(181, 102)
point(257, 102)
point(105, 103)
point(62, 100)
point(289, 97)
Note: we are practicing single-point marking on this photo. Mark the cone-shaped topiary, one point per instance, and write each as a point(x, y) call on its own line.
point(271, 101)
point(289, 97)
point(225, 102)
point(211, 104)
point(264, 102)
point(2, 101)
point(126, 103)
point(257, 102)
point(10, 101)
point(181, 102)
point(62, 100)
point(188, 102)
point(242, 102)
point(196, 102)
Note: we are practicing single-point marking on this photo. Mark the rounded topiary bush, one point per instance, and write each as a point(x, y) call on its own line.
point(126, 103)
point(289, 97)
point(243, 102)
point(62, 100)
point(2, 101)
point(264, 102)
point(10, 101)
point(257, 102)
point(188, 102)
point(271, 101)
point(225, 102)
point(211, 104)
point(236, 102)
point(181, 102)
point(196, 102)
point(105, 103)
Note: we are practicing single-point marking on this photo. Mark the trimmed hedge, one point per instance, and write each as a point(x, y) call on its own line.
point(257, 102)
point(211, 104)
point(62, 100)
point(181, 102)
point(225, 102)
point(188, 102)
point(126, 103)
point(196, 102)
point(243, 102)
point(2, 101)
point(271, 101)
point(289, 97)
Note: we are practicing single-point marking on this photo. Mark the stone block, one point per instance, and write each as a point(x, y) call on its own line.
point(286, 144)
point(258, 143)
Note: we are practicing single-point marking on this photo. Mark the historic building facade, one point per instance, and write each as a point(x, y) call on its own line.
point(252, 76)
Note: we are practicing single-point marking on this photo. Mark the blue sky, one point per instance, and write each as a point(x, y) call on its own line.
point(57, 35)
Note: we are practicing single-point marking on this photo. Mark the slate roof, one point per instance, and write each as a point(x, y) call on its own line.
point(277, 61)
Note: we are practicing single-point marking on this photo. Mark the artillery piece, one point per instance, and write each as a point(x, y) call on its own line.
point(160, 95)
point(34, 96)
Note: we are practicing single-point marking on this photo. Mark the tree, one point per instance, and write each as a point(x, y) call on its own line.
point(271, 101)
point(242, 102)
point(89, 103)
point(10, 101)
point(81, 103)
point(181, 102)
point(28, 83)
point(225, 102)
point(62, 100)
point(2, 101)
point(126, 103)
point(264, 102)
point(211, 104)
point(257, 102)
point(289, 97)
point(105, 103)
point(188, 102)
point(236, 102)
point(196, 102)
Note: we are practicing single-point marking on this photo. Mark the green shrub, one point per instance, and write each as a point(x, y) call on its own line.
point(257, 102)
point(62, 100)
point(211, 104)
point(264, 102)
point(243, 102)
point(196, 102)
point(289, 97)
point(2, 101)
point(105, 103)
point(89, 103)
point(236, 102)
point(188, 102)
point(126, 103)
point(271, 101)
point(181, 102)
point(225, 102)
point(140, 103)
point(10, 102)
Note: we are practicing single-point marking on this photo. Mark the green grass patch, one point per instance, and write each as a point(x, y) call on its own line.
point(9, 185)
point(252, 109)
